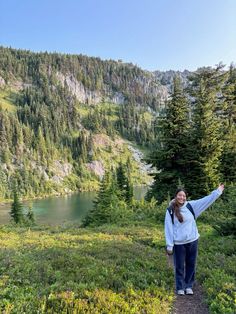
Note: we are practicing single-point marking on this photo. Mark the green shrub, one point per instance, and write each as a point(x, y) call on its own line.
point(221, 291)
point(217, 270)
point(222, 215)
point(109, 269)
point(108, 302)
point(150, 209)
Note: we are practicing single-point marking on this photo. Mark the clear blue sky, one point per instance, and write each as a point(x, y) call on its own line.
point(154, 34)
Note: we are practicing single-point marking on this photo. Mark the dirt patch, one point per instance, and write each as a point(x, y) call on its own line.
point(101, 140)
point(191, 304)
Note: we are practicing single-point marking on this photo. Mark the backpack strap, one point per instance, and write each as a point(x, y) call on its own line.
point(171, 212)
point(189, 206)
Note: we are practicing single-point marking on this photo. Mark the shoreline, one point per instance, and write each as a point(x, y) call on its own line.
point(9, 201)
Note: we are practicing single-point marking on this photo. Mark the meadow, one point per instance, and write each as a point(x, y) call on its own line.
point(118, 268)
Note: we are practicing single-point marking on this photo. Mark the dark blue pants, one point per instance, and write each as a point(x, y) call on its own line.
point(185, 256)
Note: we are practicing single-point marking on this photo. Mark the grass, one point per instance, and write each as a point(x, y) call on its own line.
point(7, 99)
point(110, 108)
point(83, 110)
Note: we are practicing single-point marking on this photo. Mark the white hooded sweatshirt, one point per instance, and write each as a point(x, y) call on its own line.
point(185, 232)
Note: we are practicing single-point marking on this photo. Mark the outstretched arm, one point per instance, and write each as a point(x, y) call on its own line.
point(203, 203)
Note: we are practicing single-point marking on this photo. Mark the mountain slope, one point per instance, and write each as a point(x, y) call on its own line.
point(53, 109)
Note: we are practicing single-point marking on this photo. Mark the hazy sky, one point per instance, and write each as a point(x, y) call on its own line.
point(154, 34)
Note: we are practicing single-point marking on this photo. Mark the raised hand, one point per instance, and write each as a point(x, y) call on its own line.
point(221, 187)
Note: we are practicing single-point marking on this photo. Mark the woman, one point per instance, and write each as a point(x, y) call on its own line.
point(182, 235)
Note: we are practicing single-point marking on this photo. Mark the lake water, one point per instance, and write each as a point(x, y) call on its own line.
point(56, 210)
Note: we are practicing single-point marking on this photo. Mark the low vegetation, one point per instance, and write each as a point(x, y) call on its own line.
point(111, 269)
point(108, 268)
point(7, 98)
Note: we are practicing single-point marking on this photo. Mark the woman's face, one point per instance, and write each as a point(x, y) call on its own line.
point(181, 197)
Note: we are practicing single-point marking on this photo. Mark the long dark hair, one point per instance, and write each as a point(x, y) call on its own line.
point(176, 205)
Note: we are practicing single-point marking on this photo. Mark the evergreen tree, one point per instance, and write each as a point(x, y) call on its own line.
point(129, 195)
point(228, 157)
point(3, 185)
point(129, 191)
point(228, 160)
point(124, 185)
point(229, 95)
point(223, 214)
point(111, 203)
point(16, 212)
point(121, 179)
point(101, 211)
point(41, 144)
point(30, 214)
point(170, 156)
point(206, 143)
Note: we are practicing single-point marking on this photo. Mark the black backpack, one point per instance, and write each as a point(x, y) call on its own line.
point(171, 212)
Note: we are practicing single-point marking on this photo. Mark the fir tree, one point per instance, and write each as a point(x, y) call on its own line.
point(228, 159)
point(129, 191)
point(111, 203)
point(223, 216)
point(121, 179)
point(101, 211)
point(129, 195)
point(30, 214)
point(206, 143)
point(16, 212)
point(124, 185)
point(172, 148)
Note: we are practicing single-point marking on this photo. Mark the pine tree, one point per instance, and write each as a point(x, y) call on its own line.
point(16, 208)
point(125, 188)
point(170, 156)
point(121, 179)
point(101, 211)
point(228, 160)
point(30, 214)
point(129, 195)
point(223, 217)
point(206, 141)
point(129, 191)
point(111, 203)
point(3, 185)
point(41, 144)
point(229, 94)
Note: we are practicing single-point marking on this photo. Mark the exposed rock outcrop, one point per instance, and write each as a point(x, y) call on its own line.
point(77, 89)
point(97, 167)
point(144, 85)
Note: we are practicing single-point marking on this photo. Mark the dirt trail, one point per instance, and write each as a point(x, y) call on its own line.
point(189, 304)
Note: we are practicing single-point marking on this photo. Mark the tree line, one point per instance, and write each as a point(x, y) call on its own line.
point(196, 135)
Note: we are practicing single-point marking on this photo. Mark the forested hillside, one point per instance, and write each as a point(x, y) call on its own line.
point(64, 117)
